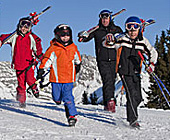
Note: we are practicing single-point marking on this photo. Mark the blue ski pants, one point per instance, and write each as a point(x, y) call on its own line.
point(63, 92)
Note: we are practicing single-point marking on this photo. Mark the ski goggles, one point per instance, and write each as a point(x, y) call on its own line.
point(65, 33)
point(133, 26)
point(25, 23)
point(105, 15)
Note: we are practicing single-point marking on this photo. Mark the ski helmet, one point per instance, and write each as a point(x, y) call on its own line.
point(24, 22)
point(105, 14)
point(134, 23)
point(62, 30)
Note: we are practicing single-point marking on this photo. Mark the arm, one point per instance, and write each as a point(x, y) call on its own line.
point(39, 53)
point(2, 37)
point(153, 53)
point(85, 36)
point(77, 60)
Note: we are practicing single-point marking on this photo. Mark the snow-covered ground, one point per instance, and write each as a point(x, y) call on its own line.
point(44, 120)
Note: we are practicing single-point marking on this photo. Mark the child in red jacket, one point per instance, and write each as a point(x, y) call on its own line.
point(26, 46)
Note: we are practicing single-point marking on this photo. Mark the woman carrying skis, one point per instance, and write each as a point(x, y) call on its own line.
point(129, 64)
point(64, 59)
point(26, 46)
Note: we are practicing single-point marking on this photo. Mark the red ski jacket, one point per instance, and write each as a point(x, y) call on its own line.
point(24, 49)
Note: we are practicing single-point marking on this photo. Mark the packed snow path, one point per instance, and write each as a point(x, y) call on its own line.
point(43, 120)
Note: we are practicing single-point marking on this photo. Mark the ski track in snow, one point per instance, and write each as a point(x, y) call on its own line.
point(43, 120)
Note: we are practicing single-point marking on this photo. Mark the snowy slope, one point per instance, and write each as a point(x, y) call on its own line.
point(43, 120)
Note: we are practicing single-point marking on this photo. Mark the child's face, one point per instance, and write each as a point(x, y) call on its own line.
point(65, 38)
point(24, 29)
point(133, 33)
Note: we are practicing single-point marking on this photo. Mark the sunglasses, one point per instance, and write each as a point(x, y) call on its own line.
point(62, 34)
point(105, 15)
point(132, 26)
point(25, 23)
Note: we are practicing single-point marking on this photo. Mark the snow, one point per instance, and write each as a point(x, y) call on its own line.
point(42, 119)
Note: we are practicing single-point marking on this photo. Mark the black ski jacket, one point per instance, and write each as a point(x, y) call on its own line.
point(103, 53)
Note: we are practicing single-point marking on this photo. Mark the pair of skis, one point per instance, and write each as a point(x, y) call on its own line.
point(97, 27)
point(34, 19)
point(144, 24)
point(157, 79)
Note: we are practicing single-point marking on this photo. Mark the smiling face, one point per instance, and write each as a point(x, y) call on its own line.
point(105, 21)
point(133, 33)
point(24, 29)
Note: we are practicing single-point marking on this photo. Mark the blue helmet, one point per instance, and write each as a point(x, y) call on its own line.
point(135, 21)
point(105, 13)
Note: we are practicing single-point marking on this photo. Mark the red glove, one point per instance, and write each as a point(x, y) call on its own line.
point(150, 68)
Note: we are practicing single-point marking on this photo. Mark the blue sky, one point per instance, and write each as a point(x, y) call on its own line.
point(80, 15)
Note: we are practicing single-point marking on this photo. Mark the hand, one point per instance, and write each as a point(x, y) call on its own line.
point(110, 39)
point(150, 68)
point(40, 73)
point(0, 43)
point(83, 34)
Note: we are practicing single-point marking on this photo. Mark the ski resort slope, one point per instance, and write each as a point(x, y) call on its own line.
point(43, 120)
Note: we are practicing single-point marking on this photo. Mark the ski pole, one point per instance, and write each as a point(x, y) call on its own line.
point(160, 89)
point(36, 82)
point(142, 57)
point(155, 78)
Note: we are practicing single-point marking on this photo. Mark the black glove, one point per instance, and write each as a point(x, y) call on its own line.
point(77, 67)
point(40, 73)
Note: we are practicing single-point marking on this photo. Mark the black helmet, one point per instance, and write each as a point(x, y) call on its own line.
point(25, 21)
point(61, 29)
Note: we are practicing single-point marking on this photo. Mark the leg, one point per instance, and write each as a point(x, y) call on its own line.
point(133, 95)
point(108, 75)
point(56, 92)
point(21, 93)
point(30, 79)
point(68, 98)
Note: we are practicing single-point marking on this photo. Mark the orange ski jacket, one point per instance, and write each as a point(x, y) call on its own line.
point(62, 61)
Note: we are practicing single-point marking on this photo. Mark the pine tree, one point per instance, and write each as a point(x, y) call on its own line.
point(156, 99)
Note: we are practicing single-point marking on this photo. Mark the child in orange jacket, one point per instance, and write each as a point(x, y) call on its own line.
point(64, 59)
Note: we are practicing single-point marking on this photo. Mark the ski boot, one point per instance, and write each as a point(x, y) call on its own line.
point(35, 92)
point(72, 121)
point(135, 124)
point(110, 106)
point(22, 105)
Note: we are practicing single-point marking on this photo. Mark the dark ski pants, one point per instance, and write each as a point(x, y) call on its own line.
point(107, 70)
point(63, 92)
point(132, 86)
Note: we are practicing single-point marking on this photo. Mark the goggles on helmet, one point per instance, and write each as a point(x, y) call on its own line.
point(105, 15)
point(133, 26)
point(64, 33)
point(25, 23)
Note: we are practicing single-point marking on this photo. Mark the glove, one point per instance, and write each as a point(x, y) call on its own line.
point(150, 68)
point(83, 34)
point(77, 67)
point(109, 41)
point(40, 73)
